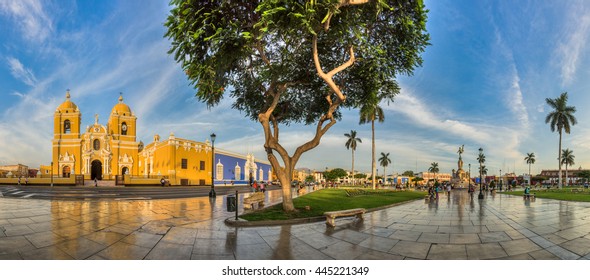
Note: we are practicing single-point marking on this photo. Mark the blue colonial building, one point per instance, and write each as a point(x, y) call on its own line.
point(232, 168)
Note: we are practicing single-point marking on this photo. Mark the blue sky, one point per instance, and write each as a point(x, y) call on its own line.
point(483, 84)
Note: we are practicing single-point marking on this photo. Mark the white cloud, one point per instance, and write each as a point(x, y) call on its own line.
point(30, 17)
point(19, 71)
point(571, 48)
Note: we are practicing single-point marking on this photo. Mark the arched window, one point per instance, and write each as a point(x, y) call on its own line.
point(67, 127)
point(96, 144)
point(66, 171)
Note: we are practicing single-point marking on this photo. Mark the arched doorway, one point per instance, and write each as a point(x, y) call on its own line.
point(66, 171)
point(124, 170)
point(96, 170)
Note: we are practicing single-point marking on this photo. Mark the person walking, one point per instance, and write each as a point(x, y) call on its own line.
point(95, 182)
point(19, 180)
point(449, 190)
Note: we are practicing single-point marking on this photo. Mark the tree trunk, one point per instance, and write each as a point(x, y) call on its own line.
point(566, 182)
point(559, 186)
point(530, 176)
point(373, 167)
point(353, 167)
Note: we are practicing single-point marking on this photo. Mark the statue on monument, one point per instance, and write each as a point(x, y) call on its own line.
point(460, 162)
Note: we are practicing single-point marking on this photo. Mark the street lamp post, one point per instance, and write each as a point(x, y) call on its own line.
point(501, 180)
point(481, 160)
point(469, 177)
point(51, 175)
point(212, 192)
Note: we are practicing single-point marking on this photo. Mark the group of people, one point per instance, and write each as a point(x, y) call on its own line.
point(258, 187)
point(26, 180)
point(434, 190)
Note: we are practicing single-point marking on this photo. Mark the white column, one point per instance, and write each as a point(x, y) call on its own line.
point(145, 172)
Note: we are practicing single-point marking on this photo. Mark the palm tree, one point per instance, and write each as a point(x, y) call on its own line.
point(481, 158)
point(384, 161)
point(530, 159)
point(351, 144)
point(434, 169)
point(567, 158)
point(371, 112)
point(483, 170)
point(562, 118)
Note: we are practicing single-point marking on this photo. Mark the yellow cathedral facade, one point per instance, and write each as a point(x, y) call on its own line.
point(99, 151)
point(113, 152)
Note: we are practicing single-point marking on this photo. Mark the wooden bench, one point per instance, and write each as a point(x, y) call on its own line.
point(577, 190)
point(332, 215)
point(256, 198)
point(530, 196)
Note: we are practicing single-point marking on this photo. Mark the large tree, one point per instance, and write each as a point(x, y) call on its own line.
point(560, 119)
point(284, 62)
point(530, 159)
point(351, 144)
point(567, 159)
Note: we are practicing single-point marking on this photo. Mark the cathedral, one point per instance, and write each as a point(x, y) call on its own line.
point(107, 152)
point(99, 151)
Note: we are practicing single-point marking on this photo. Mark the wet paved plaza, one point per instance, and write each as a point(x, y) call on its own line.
point(455, 227)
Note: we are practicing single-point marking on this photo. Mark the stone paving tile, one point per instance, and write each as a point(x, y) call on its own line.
point(317, 240)
point(490, 237)
point(447, 252)
point(517, 257)
point(122, 251)
point(544, 243)
point(519, 246)
point(20, 221)
point(397, 226)
point(13, 244)
point(426, 228)
point(555, 239)
point(41, 226)
point(17, 230)
point(350, 236)
point(411, 249)
point(379, 231)
point(260, 251)
point(485, 251)
point(180, 236)
point(285, 248)
point(213, 247)
point(543, 255)
point(580, 246)
point(212, 234)
point(10, 256)
point(80, 248)
point(464, 238)
point(406, 235)
point(105, 237)
point(212, 257)
point(142, 239)
point(170, 251)
point(379, 243)
point(428, 237)
point(344, 250)
point(44, 239)
point(540, 230)
point(475, 229)
point(570, 234)
point(376, 255)
point(46, 253)
point(562, 253)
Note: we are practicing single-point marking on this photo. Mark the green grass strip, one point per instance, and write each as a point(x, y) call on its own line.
point(558, 194)
point(332, 200)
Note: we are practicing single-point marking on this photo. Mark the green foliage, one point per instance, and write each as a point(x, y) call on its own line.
point(433, 168)
point(309, 179)
point(408, 173)
point(562, 116)
point(334, 174)
point(360, 176)
point(252, 48)
point(352, 140)
point(584, 174)
point(567, 157)
point(558, 194)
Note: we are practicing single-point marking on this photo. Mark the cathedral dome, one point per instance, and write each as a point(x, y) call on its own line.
point(121, 108)
point(68, 104)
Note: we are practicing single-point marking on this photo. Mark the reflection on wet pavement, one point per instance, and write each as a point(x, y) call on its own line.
point(455, 227)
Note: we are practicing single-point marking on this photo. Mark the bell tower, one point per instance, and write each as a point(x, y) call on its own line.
point(122, 129)
point(66, 143)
